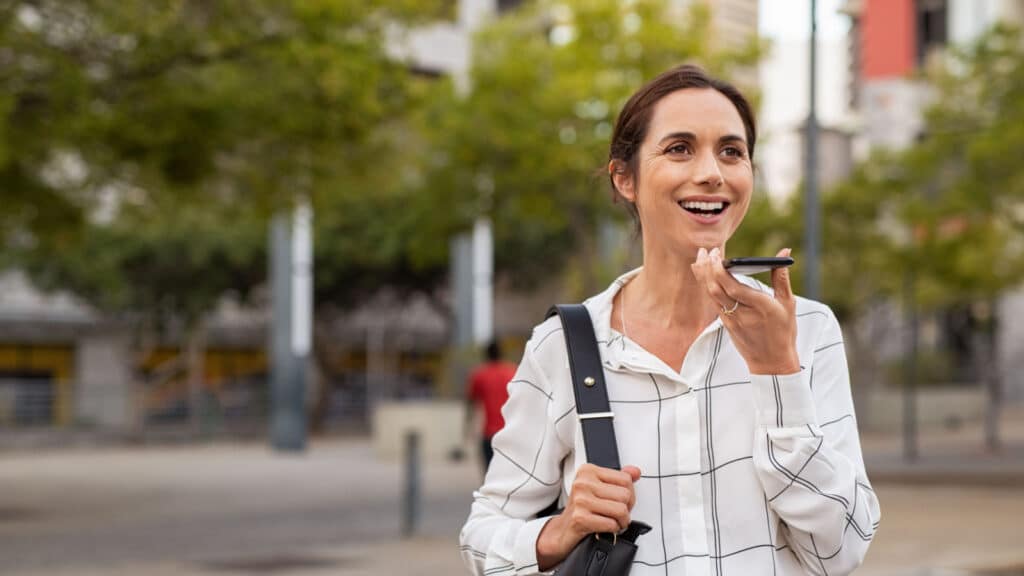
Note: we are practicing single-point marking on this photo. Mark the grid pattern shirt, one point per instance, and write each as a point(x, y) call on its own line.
point(741, 474)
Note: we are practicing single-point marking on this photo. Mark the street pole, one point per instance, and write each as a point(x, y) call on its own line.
point(411, 496)
point(483, 281)
point(812, 233)
point(471, 253)
point(910, 370)
point(993, 381)
point(291, 271)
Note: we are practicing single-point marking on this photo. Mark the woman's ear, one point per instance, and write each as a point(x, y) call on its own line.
point(622, 179)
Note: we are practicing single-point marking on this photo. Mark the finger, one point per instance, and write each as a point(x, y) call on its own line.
point(633, 472)
point(588, 522)
point(733, 289)
point(711, 284)
point(613, 493)
point(617, 511)
point(616, 477)
point(780, 281)
point(699, 266)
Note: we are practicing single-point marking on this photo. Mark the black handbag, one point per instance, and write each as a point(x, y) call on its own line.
point(603, 554)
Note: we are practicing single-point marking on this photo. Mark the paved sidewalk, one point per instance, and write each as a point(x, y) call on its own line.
point(229, 508)
point(951, 457)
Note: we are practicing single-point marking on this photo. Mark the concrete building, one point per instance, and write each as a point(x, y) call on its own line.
point(784, 108)
point(889, 42)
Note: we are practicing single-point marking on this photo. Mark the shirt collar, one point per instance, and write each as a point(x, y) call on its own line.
point(600, 308)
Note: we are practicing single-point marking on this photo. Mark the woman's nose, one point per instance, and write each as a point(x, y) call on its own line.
point(707, 173)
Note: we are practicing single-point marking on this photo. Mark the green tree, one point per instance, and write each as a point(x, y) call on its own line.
point(249, 100)
point(143, 145)
point(948, 207)
point(964, 212)
point(940, 214)
point(522, 145)
point(965, 215)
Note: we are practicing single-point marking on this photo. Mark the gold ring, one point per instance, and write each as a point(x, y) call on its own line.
point(729, 311)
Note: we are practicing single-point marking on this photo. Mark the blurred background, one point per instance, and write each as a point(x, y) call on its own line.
point(250, 250)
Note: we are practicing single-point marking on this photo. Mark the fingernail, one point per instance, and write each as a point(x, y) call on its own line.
point(716, 253)
point(701, 254)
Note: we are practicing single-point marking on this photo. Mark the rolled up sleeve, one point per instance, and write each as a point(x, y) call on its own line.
point(500, 535)
point(808, 458)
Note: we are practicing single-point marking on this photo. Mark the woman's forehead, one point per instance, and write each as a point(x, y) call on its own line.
point(705, 112)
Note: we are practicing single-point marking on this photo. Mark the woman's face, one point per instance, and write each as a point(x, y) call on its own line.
point(694, 174)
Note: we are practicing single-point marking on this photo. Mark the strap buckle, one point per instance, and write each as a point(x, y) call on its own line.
point(592, 415)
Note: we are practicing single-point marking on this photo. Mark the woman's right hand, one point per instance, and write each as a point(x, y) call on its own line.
point(600, 501)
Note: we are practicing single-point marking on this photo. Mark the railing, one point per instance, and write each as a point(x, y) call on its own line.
point(27, 401)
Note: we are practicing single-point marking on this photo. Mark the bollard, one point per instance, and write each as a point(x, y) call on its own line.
point(411, 502)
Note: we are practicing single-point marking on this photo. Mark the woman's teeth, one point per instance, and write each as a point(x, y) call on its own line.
point(703, 207)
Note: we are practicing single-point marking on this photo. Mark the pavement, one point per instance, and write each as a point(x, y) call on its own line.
point(956, 456)
point(239, 508)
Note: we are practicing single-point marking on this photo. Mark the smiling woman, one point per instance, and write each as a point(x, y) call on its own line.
point(731, 398)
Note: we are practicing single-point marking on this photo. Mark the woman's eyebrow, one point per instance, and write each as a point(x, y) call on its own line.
point(732, 138)
point(677, 136)
point(691, 136)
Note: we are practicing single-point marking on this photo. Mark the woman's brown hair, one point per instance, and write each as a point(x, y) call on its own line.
point(635, 117)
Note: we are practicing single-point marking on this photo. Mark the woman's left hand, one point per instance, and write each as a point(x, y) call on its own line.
point(762, 327)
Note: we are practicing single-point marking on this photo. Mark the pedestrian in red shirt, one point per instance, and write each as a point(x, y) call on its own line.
point(488, 388)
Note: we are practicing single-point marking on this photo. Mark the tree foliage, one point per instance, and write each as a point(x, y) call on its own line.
point(948, 209)
point(144, 144)
point(965, 215)
point(526, 143)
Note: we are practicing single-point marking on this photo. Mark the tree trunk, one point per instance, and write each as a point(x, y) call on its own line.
point(861, 362)
point(143, 345)
point(870, 327)
point(195, 352)
point(321, 358)
point(993, 442)
point(585, 257)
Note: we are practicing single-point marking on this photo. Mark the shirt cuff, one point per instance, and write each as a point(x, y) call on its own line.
point(526, 547)
point(784, 400)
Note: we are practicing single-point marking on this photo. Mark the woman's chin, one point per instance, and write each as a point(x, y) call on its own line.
point(706, 241)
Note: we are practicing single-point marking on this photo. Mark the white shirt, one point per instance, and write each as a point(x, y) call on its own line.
point(741, 474)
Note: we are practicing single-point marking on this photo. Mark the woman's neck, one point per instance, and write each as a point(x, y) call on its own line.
point(666, 293)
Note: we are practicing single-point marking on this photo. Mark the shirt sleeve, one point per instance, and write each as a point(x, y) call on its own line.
point(808, 458)
point(524, 478)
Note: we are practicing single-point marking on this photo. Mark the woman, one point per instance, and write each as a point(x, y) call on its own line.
point(732, 402)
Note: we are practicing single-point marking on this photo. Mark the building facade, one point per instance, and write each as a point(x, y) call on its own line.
point(889, 42)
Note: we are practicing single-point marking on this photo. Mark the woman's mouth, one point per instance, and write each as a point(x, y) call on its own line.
point(704, 211)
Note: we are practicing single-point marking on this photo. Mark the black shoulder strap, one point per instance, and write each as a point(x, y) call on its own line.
point(588, 385)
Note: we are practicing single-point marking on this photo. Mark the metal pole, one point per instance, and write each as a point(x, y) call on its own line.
point(910, 372)
point(461, 278)
point(290, 327)
point(411, 501)
point(993, 381)
point(812, 233)
point(280, 326)
point(483, 281)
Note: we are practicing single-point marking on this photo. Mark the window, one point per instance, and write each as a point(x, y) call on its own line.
point(931, 22)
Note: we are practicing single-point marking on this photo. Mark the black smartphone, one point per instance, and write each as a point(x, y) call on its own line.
point(756, 264)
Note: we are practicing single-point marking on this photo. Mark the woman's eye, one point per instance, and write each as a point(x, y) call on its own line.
point(733, 152)
point(678, 149)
